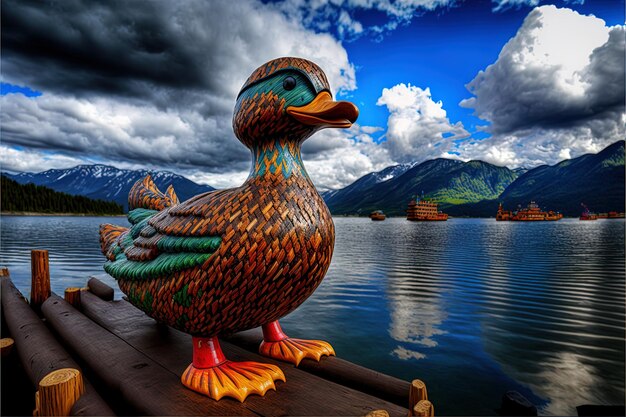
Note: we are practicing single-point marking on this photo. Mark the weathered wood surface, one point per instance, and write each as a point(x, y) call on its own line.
point(303, 394)
point(100, 289)
point(334, 369)
point(341, 371)
point(38, 350)
point(146, 386)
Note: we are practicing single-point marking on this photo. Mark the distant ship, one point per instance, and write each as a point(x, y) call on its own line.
point(611, 215)
point(424, 210)
point(530, 214)
point(377, 215)
point(587, 215)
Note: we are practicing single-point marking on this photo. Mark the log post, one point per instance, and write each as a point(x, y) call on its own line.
point(4, 271)
point(72, 296)
point(40, 282)
point(6, 345)
point(424, 408)
point(58, 391)
point(417, 393)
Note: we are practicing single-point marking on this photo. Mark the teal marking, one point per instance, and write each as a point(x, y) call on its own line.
point(292, 163)
point(302, 94)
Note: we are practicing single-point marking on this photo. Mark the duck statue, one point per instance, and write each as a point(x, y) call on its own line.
point(235, 259)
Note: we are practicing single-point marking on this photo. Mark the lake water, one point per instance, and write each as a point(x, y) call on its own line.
point(473, 307)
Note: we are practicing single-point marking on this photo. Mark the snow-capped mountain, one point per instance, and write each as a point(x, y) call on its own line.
point(366, 182)
point(106, 182)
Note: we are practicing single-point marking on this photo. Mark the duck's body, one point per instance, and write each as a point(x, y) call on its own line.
point(277, 240)
point(234, 259)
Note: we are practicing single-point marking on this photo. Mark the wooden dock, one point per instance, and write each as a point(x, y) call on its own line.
point(131, 365)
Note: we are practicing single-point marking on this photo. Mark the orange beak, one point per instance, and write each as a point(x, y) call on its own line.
point(324, 112)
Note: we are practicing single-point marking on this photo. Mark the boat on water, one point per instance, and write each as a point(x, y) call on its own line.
point(424, 210)
point(377, 215)
point(587, 214)
point(611, 215)
point(532, 213)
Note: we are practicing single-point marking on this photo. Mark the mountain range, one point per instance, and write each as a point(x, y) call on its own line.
point(105, 182)
point(473, 188)
point(448, 181)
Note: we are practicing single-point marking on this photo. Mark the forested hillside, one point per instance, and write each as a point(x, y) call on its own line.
point(17, 197)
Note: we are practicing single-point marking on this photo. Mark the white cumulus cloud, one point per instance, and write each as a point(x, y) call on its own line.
point(418, 127)
point(556, 89)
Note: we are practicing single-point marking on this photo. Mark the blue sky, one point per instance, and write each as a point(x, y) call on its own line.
point(132, 87)
point(444, 50)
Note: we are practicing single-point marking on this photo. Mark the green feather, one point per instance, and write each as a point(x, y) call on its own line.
point(139, 214)
point(163, 265)
point(189, 244)
point(176, 252)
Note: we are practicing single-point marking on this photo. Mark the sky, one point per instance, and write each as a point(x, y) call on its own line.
point(516, 83)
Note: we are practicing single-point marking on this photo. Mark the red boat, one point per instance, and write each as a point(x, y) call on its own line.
point(586, 214)
point(530, 214)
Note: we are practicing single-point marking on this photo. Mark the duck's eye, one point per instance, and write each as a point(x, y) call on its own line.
point(289, 83)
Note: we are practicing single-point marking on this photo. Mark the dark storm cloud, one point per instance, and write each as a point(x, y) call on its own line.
point(120, 47)
point(145, 82)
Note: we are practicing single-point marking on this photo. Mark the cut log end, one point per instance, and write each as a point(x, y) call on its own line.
point(424, 408)
point(6, 345)
point(58, 391)
point(377, 413)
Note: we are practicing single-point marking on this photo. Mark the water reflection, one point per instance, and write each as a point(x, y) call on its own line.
point(559, 328)
point(472, 307)
point(414, 290)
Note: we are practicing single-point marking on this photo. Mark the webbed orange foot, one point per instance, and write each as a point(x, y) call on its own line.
point(214, 376)
point(233, 379)
point(278, 345)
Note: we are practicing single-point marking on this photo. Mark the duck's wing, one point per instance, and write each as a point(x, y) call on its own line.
point(160, 243)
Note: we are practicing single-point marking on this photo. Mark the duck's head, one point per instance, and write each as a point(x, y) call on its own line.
point(287, 98)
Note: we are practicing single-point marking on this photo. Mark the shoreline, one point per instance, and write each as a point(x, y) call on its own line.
point(35, 214)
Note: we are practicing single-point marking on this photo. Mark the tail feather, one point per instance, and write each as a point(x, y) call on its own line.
point(146, 195)
point(109, 239)
point(171, 194)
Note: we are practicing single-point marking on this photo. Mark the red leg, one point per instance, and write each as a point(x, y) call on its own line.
point(276, 344)
point(213, 375)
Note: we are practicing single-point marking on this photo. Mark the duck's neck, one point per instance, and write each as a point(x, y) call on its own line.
point(281, 157)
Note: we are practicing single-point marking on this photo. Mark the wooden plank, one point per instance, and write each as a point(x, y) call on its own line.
point(341, 371)
point(142, 383)
point(303, 394)
point(40, 353)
